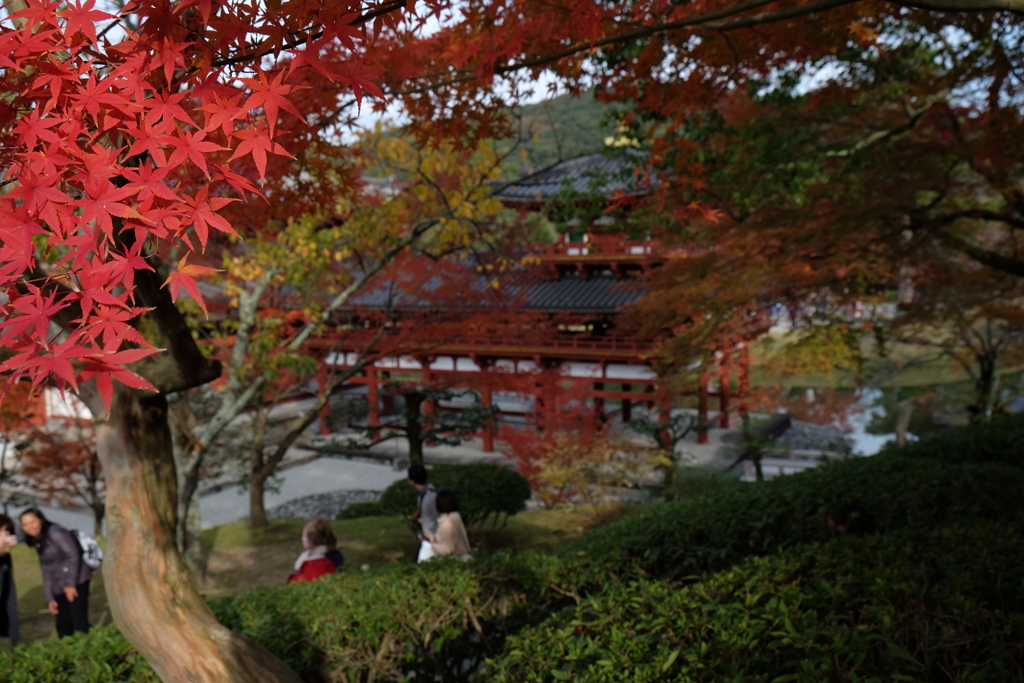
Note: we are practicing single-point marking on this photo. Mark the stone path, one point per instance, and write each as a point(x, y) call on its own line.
point(375, 471)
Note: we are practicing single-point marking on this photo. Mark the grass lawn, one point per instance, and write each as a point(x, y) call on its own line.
point(240, 558)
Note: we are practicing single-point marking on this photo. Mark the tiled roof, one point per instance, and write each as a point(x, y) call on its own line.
point(595, 294)
point(599, 294)
point(603, 172)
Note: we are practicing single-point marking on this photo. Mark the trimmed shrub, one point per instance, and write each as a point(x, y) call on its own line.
point(483, 490)
point(860, 496)
point(436, 621)
point(695, 480)
point(359, 510)
point(101, 656)
point(439, 620)
point(945, 605)
point(1001, 440)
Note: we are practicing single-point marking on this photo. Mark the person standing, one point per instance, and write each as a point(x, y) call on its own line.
point(66, 576)
point(451, 537)
point(8, 594)
point(426, 510)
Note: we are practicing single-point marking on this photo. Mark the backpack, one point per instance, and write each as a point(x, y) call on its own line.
point(92, 553)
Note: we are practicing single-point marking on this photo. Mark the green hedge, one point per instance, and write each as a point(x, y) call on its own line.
point(439, 620)
point(941, 606)
point(483, 490)
point(694, 536)
point(999, 440)
point(426, 621)
point(360, 510)
point(102, 656)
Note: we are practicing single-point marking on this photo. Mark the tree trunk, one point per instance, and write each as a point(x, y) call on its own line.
point(414, 427)
point(97, 520)
point(257, 511)
point(258, 474)
point(984, 384)
point(99, 508)
point(152, 597)
point(904, 411)
point(188, 459)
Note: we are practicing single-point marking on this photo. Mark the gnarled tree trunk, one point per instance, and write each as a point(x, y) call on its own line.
point(152, 596)
point(414, 426)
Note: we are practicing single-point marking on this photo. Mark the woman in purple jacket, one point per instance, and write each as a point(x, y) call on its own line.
point(65, 575)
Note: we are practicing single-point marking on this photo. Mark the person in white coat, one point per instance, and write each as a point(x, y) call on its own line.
point(451, 537)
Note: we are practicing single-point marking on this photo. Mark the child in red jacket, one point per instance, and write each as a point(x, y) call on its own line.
point(321, 556)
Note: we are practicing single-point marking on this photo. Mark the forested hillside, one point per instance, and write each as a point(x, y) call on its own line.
point(560, 128)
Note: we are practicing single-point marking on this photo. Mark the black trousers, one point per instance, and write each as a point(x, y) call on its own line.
point(73, 616)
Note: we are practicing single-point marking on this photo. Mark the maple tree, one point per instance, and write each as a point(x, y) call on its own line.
point(806, 149)
point(125, 151)
point(971, 316)
point(128, 138)
point(61, 462)
point(569, 455)
point(440, 426)
point(283, 290)
point(15, 419)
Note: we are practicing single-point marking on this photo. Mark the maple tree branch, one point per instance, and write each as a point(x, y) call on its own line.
point(188, 367)
point(270, 464)
point(235, 399)
point(963, 5)
point(985, 257)
point(714, 21)
point(386, 8)
point(239, 398)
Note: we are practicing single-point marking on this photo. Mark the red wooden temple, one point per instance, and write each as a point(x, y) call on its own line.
point(575, 291)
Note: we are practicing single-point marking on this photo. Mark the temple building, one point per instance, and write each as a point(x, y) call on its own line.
point(559, 331)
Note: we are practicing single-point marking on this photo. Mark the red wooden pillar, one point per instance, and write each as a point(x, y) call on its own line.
point(744, 379)
point(724, 378)
point(321, 380)
point(627, 405)
point(487, 399)
point(429, 407)
point(387, 401)
point(702, 408)
point(542, 398)
point(428, 379)
point(599, 404)
point(373, 398)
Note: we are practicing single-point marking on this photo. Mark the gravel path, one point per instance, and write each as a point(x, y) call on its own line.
point(326, 505)
point(806, 436)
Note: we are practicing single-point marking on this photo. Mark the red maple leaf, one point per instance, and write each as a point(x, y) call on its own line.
point(36, 309)
point(122, 267)
point(271, 96)
point(222, 113)
point(239, 182)
point(203, 215)
point(104, 201)
point(183, 277)
point(82, 18)
point(107, 367)
point(148, 140)
point(192, 146)
point(164, 106)
point(150, 181)
point(32, 128)
point(256, 141)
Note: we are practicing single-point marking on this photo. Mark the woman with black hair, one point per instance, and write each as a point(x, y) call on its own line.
point(66, 576)
point(451, 537)
point(8, 594)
